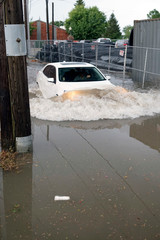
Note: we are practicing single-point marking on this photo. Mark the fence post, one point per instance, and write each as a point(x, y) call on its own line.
point(145, 64)
point(45, 49)
point(96, 53)
point(50, 51)
point(59, 52)
point(39, 49)
point(64, 52)
point(72, 51)
point(109, 60)
point(124, 66)
point(83, 52)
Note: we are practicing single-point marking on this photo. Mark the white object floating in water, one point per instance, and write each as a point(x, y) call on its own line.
point(61, 198)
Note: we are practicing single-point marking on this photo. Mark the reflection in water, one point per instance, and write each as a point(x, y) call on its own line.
point(47, 132)
point(112, 181)
point(96, 164)
point(16, 203)
point(148, 132)
point(89, 125)
point(2, 212)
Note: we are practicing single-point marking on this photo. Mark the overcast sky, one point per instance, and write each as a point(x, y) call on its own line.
point(125, 11)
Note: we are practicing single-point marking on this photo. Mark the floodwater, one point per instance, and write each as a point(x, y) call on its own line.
point(108, 168)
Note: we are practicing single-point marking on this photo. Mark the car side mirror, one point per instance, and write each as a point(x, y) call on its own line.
point(51, 80)
point(107, 77)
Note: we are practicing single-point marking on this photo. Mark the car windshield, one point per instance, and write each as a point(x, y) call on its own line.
point(105, 41)
point(80, 74)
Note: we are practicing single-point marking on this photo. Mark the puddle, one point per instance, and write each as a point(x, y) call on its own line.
point(108, 170)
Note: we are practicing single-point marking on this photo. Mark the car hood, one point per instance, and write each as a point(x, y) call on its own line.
point(66, 87)
point(50, 89)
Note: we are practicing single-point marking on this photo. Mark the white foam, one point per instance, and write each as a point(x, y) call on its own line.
point(102, 104)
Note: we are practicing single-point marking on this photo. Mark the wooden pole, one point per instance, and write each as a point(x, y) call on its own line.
point(47, 20)
point(17, 73)
point(7, 140)
point(52, 21)
point(26, 18)
point(27, 26)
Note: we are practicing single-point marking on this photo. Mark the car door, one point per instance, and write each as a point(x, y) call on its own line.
point(47, 83)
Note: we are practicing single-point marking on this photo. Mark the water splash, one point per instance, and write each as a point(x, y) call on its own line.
point(110, 103)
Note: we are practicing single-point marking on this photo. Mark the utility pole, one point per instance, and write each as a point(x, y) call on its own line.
point(7, 141)
point(26, 18)
point(17, 74)
point(52, 20)
point(47, 20)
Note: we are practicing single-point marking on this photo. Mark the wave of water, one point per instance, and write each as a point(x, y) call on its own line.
point(111, 103)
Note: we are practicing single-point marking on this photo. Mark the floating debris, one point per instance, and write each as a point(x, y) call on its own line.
point(61, 198)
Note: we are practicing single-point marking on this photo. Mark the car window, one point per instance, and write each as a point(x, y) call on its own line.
point(80, 74)
point(104, 41)
point(50, 72)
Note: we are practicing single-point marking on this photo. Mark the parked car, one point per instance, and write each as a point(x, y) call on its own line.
point(121, 43)
point(55, 79)
point(103, 40)
point(85, 41)
point(106, 41)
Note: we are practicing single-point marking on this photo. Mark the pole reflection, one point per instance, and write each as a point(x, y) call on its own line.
point(16, 202)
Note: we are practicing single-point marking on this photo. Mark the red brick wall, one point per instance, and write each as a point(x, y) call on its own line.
point(34, 33)
point(61, 34)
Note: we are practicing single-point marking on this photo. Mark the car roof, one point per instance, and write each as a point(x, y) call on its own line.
point(71, 64)
point(103, 39)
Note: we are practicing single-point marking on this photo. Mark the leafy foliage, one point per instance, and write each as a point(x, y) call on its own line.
point(16, 208)
point(79, 3)
point(153, 14)
point(58, 23)
point(85, 23)
point(31, 27)
point(113, 29)
point(127, 30)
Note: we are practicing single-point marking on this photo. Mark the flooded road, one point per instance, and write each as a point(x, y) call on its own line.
point(107, 170)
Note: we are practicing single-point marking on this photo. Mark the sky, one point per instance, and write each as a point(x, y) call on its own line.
point(125, 11)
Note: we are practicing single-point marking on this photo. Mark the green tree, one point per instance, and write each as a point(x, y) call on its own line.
point(58, 23)
point(112, 28)
point(31, 27)
point(127, 30)
point(79, 3)
point(85, 23)
point(153, 14)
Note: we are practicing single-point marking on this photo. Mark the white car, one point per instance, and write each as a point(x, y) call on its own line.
point(103, 40)
point(55, 79)
point(121, 43)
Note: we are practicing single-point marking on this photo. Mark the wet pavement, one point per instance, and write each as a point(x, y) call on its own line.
point(108, 168)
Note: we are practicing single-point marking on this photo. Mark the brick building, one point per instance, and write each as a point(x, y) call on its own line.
point(40, 31)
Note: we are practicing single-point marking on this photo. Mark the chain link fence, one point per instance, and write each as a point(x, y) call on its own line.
point(141, 64)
